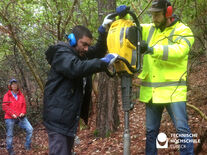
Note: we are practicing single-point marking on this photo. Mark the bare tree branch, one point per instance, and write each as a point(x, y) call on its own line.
point(22, 51)
point(70, 14)
point(145, 8)
point(197, 110)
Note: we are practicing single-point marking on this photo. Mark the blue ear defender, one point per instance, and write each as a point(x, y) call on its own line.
point(71, 39)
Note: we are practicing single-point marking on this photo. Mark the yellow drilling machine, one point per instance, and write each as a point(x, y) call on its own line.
point(124, 38)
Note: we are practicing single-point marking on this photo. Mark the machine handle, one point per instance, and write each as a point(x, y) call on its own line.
point(109, 73)
point(139, 37)
point(133, 70)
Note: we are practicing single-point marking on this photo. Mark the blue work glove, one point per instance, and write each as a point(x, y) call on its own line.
point(106, 24)
point(110, 58)
point(122, 10)
point(145, 48)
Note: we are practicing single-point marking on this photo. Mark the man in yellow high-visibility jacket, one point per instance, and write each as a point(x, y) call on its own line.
point(166, 44)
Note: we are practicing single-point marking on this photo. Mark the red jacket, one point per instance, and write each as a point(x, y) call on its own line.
point(13, 106)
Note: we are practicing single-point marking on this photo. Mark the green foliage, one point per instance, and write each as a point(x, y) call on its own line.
point(96, 133)
point(108, 134)
point(193, 13)
point(34, 114)
point(38, 24)
point(82, 125)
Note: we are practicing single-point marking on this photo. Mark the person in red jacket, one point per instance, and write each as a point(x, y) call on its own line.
point(14, 106)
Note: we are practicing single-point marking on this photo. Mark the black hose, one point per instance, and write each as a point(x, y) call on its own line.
point(133, 70)
point(109, 73)
point(139, 37)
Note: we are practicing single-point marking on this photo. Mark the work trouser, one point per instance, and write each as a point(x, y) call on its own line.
point(178, 114)
point(60, 144)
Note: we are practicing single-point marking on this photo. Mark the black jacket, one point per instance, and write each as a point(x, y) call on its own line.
point(64, 90)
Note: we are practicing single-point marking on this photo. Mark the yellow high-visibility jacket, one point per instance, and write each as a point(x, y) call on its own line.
point(164, 72)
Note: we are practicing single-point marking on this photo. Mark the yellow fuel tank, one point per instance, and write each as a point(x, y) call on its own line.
point(122, 39)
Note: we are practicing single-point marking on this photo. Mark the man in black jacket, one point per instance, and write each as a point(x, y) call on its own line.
point(68, 81)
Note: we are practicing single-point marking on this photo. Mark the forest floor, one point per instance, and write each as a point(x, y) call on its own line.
point(113, 145)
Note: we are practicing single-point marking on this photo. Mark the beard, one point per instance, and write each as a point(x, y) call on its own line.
point(82, 54)
point(161, 25)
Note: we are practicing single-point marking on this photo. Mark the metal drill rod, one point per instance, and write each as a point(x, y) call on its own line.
point(126, 85)
point(126, 134)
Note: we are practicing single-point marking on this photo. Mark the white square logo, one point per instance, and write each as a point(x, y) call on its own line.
point(162, 138)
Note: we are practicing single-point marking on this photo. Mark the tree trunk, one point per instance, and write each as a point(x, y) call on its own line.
point(107, 114)
point(19, 65)
point(107, 106)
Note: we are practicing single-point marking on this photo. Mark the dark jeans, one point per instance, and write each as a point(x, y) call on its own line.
point(178, 114)
point(60, 144)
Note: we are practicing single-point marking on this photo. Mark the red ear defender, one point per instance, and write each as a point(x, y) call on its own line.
point(169, 11)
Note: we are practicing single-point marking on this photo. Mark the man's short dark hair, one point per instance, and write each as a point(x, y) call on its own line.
point(79, 31)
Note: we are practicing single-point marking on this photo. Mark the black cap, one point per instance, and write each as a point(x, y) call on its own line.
point(158, 5)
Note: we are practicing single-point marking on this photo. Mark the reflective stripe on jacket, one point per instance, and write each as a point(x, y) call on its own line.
point(164, 72)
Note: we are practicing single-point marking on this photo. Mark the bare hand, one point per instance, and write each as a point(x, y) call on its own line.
point(21, 115)
point(14, 116)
